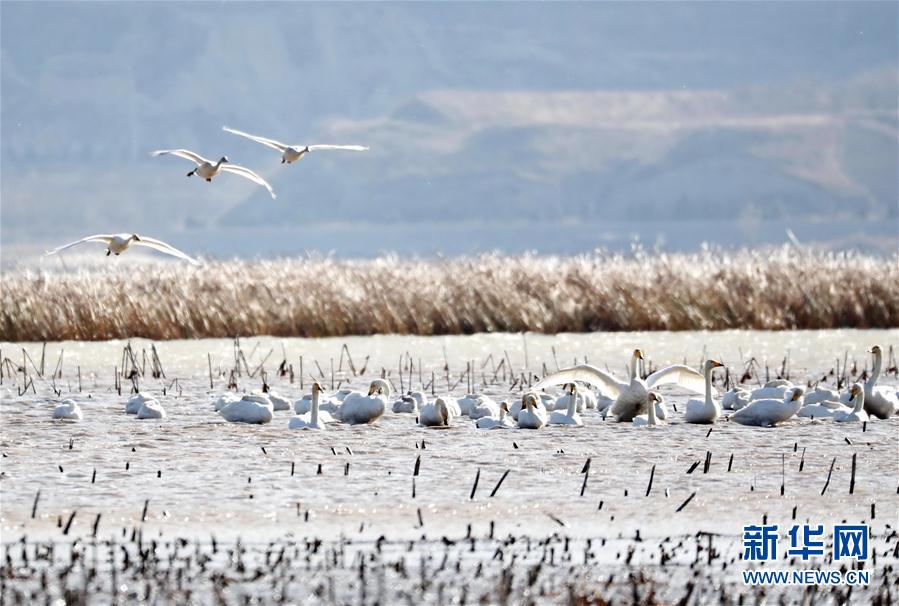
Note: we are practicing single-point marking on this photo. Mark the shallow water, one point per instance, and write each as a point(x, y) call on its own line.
point(200, 476)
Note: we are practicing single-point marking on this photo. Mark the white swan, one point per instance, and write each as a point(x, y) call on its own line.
point(708, 410)
point(819, 395)
point(882, 402)
point(824, 409)
point(857, 414)
point(650, 419)
point(770, 392)
point(410, 403)
point(531, 417)
point(132, 406)
point(631, 396)
point(540, 405)
point(207, 169)
point(570, 416)
point(225, 399)
point(68, 410)
point(768, 412)
point(503, 422)
point(292, 153)
point(584, 398)
point(249, 409)
point(483, 407)
point(151, 409)
point(116, 244)
point(735, 399)
point(436, 414)
point(359, 408)
point(312, 419)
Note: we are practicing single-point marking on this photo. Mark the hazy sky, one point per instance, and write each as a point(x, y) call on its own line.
point(610, 114)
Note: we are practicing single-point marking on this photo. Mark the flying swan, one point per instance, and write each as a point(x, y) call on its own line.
point(209, 169)
point(116, 244)
point(292, 153)
point(631, 396)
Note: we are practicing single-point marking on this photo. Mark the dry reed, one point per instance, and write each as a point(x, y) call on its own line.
point(775, 289)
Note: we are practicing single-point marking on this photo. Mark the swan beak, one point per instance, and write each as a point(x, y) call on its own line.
point(638, 354)
point(716, 364)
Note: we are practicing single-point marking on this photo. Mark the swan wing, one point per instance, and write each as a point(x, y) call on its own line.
point(607, 384)
point(166, 248)
point(267, 142)
point(106, 239)
point(246, 173)
point(182, 153)
point(680, 375)
point(357, 148)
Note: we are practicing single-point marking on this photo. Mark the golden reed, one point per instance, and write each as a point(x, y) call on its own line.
point(773, 289)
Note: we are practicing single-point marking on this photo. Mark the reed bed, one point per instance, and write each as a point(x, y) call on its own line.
point(784, 288)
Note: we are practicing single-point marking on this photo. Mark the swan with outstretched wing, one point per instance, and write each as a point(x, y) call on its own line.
point(631, 396)
point(293, 153)
point(207, 169)
point(116, 244)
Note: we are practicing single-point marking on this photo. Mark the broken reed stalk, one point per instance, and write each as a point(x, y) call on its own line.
point(852, 478)
point(652, 475)
point(829, 473)
point(474, 487)
point(500, 483)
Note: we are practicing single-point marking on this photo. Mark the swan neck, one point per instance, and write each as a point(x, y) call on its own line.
point(314, 419)
point(632, 370)
point(859, 401)
point(572, 405)
point(652, 412)
point(708, 386)
point(875, 373)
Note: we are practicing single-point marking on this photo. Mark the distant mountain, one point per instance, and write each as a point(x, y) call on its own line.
point(486, 113)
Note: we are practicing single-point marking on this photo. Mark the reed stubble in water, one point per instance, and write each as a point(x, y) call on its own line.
point(773, 289)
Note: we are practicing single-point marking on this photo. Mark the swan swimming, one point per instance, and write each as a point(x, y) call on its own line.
point(116, 244)
point(540, 405)
point(769, 412)
point(531, 417)
point(311, 420)
point(632, 396)
point(483, 407)
point(68, 410)
point(410, 403)
point(293, 153)
point(586, 399)
point(708, 410)
point(882, 402)
point(436, 414)
point(819, 395)
point(278, 403)
point(208, 169)
point(249, 409)
point(649, 419)
point(503, 422)
point(570, 416)
point(857, 414)
point(132, 406)
point(735, 399)
point(151, 409)
point(359, 408)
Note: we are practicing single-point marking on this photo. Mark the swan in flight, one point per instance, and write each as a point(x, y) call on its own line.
point(882, 402)
point(249, 409)
point(293, 153)
point(436, 414)
point(631, 396)
point(708, 410)
point(151, 409)
point(359, 408)
point(531, 417)
point(570, 416)
point(650, 419)
point(503, 422)
point(311, 420)
point(857, 414)
point(208, 169)
point(116, 244)
point(769, 411)
point(68, 410)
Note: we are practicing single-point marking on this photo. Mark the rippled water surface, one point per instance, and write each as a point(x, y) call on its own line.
point(198, 475)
